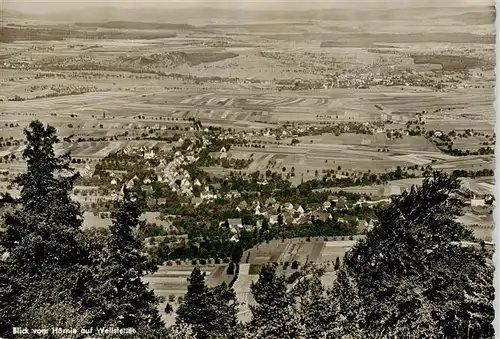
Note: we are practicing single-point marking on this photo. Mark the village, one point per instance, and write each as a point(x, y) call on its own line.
point(174, 180)
point(251, 141)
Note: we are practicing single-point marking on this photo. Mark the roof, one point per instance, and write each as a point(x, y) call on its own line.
point(235, 221)
point(302, 219)
point(270, 201)
point(350, 218)
point(196, 200)
point(320, 215)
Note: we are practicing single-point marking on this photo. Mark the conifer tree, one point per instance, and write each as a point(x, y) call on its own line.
point(317, 313)
point(43, 280)
point(273, 316)
point(127, 301)
point(209, 312)
point(414, 275)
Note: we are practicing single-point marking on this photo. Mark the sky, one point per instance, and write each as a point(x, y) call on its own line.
point(32, 6)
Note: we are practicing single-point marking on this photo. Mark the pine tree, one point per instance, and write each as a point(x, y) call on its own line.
point(337, 264)
point(273, 316)
point(412, 274)
point(127, 302)
point(317, 313)
point(210, 312)
point(43, 279)
point(236, 253)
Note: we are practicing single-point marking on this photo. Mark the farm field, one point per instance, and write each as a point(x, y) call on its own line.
point(171, 281)
point(316, 250)
point(111, 85)
point(323, 253)
point(353, 153)
point(480, 186)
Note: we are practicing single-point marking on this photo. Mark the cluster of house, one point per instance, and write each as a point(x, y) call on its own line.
point(360, 79)
point(484, 200)
point(289, 214)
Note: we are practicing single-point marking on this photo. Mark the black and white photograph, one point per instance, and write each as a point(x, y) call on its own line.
point(251, 169)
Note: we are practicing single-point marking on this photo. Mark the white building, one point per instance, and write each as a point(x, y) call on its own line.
point(149, 155)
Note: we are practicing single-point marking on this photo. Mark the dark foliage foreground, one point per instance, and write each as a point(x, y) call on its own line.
point(412, 277)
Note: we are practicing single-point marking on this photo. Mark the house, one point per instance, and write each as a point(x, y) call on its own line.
point(185, 183)
point(216, 186)
point(233, 194)
point(149, 155)
point(248, 228)
point(257, 211)
point(288, 206)
point(273, 219)
point(114, 182)
point(127, 149)
point(477, 202)
point(270, 201)
point(349, 218)
point(333, 198)
point(236, 222)
point(151, 202)
point(161, 201)
point(263, 183)
point(197, 183)
point(130, 184)
point(234, 238)
point(326, 205)
point(258, 224)
point(196, 201)
point(363, 226)
point(288, 219)
point(489, 199)
point(147, 188)
point(300, 210)
point(243, 205)
point(341, 204)
point(320, 216)
point(302, 219)
point(223, 154)
point(146, 181)
point(207, 196)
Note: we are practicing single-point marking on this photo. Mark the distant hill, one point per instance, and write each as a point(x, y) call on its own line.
point(22, 33)
point(133, 25)
point(139, 16)
point(173, 59)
